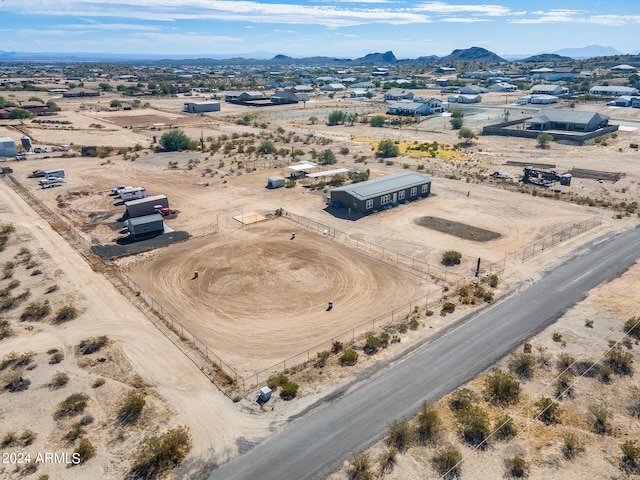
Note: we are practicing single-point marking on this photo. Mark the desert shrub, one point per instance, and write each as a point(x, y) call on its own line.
point(505, 429)
point(516, 466)
point(446, 462)
point(565, 361)
point(632, 327)
point(275, 381)
point(16, 361)
point(93, 344)
point(605, 374)
point(387, 460)
point(337, 347)
point(571, 445)
point(630, 461)
point(634, 402)
point(15, 382)
point(36, 311)
point(522, 364)
point(98, 382)
point(9, 439)
point(85, 451)
point(547, 411)
point(5, 329)
point(619, 361)
point(65, 313)
point(73, 405)
point(493, 281)
point(52, 288)
point(59, 380)
point(74, 433)
point(56, 358)
point(448, 307)
point(462, 398)
point(372, 345)
point(501, 387)
point(474, 425)
point(451, 257)
point(289, 390)
point(86, 420)
point(428, 424)
point(159, 453)
point(360, 467)
point(599, 416)
point(348, 357)
point(130, 407)
point(322, 359)
point(564, 385)
point(556, 337)
point(413, 323)
point(27, 437)
point(588, 323)
point(400, 435)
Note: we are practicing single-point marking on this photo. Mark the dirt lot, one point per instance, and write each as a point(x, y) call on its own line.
point(268, 293)
point(255, 317)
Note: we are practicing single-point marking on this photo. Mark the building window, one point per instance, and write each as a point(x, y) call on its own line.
point(425, 187)
point(401, 195)
point(414, 191)
point(385, 199)
point(369, 204)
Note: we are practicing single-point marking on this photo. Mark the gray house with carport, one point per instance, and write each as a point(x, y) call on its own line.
point(380, 193)
point(567, 120)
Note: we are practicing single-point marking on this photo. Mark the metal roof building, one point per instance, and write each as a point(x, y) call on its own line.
point(567, 120)
point(380, 193)
point(7, 147)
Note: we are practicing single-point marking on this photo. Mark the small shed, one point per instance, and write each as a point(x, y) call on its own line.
point(146, 226)
point(7, 147)
point(265, 395)
point(275, 182)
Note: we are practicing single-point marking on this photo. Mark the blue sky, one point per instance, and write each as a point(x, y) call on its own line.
point(349, 28)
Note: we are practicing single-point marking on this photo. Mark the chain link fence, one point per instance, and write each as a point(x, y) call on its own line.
point(566, 233)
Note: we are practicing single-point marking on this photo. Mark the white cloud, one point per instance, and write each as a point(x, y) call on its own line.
point(244, 11)
point(464, 20)
point(445, 8)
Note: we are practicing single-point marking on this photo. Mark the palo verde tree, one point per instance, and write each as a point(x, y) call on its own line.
point(544, 139)
point(467, 135)
point(378, 121)
point(336, 117)
point(387, 148)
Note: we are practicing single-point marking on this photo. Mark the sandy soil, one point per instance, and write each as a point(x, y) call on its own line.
point(184, 395)
point(211, 192)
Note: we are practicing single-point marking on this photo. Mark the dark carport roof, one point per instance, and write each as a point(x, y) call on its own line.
point(565, 116)
point(384, 185)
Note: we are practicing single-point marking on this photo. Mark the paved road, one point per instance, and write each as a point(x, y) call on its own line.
point(315, 444)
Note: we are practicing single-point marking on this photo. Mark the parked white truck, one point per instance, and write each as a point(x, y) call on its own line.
point(51, 182)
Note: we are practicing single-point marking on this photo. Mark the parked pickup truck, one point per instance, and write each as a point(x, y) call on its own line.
point(51, 182)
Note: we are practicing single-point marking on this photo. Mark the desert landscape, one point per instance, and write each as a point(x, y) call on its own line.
point(261, 297)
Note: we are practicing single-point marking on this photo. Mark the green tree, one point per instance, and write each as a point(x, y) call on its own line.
point(313, 120)
point(20, 114)
point(456, 122)
point(387, 149)
point(336, 117)
point(35, 99)
point(266, 147)
point(457, 113)
point(175, 140)
point(327, 157)
point(451, 257)
point(116, 104)
point(351, 118)
point(543, 139)
point(106, 87)
point(467, 135)
point(378, 121)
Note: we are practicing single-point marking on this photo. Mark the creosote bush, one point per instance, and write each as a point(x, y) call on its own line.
point(572, 445)
point(360, 467)
point(289, 390)
point(73, 405)
point(400, 435)
point(547, 411)
point(504, 427)
point(158, 454)
point(131, 407)
point(93, 344)
point(65, 313)
point(86, 450)
point(348, 357)
point(446, 462)
point(516, 466)
point(428, 424)
point(501, 387)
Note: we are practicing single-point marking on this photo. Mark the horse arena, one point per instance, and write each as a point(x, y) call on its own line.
point(261, 296)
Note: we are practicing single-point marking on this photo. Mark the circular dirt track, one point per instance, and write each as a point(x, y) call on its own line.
point(261, 297)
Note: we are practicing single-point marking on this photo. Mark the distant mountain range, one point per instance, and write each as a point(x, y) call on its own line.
point(473, 55)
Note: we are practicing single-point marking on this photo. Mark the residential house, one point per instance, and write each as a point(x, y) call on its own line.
point(397, 94)
point(408, 109)
point(567, 120)
point(547, 90)
point(612, 90)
